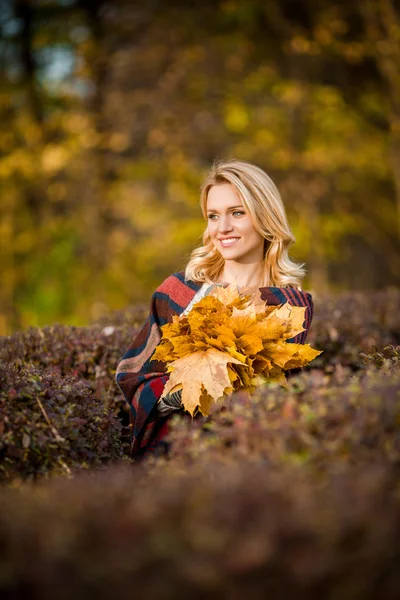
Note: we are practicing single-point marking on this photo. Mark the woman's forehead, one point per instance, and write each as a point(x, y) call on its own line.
point(223, 195)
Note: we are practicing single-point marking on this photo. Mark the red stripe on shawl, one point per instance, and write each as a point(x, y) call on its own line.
point(179, 292)
point(150, 447)
point(290, 296)
point(147, 434)
point(300, 298)
point(136, 396)
point(158, 384)
point(308, 312)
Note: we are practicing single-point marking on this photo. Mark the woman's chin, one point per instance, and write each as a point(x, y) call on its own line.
point(230, 255)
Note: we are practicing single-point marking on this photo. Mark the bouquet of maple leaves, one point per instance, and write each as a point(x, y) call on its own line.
point(230, 341)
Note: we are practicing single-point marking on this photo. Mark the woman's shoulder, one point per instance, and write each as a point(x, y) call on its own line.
point(177, 281)
point(176, 291)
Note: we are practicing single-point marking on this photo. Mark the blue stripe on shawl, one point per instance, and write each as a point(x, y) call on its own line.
point(193, 285)
point(172, 305)
point(278, 294)
point(119, 377)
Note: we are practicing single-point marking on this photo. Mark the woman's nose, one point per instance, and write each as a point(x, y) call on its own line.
point(225, 224)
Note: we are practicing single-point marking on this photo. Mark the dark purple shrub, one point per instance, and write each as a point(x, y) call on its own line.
point(51, 424)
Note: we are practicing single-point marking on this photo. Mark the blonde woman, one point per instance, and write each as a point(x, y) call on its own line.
point(246, 241)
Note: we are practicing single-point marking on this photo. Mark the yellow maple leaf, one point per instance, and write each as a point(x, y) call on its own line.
point(245, 376)
point(229, 296)
point(289, 356)
point(240, 321)
point(293, 316)
point(225, 333)
point(304, 355)
point(199, 373)
point(205, 403)
point(250, 344)
point(163, 351)
point(206, 304)
point(262, 364)
point(255, 305)
point(280, 352)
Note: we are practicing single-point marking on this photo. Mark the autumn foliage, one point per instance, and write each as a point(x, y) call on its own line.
point(228, 342)
point(111, 111)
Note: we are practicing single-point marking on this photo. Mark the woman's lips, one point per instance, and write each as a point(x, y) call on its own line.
point(227, 242)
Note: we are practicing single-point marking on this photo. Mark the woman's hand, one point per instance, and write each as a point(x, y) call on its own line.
point(169, 404)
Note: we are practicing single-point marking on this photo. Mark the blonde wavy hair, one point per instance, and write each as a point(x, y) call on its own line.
point(263, 202)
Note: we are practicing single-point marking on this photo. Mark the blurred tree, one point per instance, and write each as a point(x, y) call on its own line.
point(113, 110)
point(382, 21)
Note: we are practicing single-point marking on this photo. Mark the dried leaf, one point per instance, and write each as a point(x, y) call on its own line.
point(226, 295)
point(198, 373)
point(294, 316)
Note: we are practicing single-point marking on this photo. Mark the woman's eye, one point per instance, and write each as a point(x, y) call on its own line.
point(235, 213)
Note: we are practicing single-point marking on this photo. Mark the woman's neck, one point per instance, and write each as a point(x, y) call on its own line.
point(244, 275)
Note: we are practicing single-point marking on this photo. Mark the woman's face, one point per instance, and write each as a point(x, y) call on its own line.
point(230, 227)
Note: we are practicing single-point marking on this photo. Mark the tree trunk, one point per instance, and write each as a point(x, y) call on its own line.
point(382, 22)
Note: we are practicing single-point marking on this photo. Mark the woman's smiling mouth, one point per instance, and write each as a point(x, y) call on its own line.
point(226, 242)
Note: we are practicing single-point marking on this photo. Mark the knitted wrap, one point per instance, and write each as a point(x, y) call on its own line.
point(142, 380)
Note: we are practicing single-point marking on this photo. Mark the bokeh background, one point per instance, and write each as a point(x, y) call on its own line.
point(112, 110)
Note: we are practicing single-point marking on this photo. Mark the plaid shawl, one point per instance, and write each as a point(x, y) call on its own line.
point(142, 380)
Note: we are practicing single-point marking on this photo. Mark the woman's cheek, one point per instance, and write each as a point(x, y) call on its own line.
point(211, 230)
